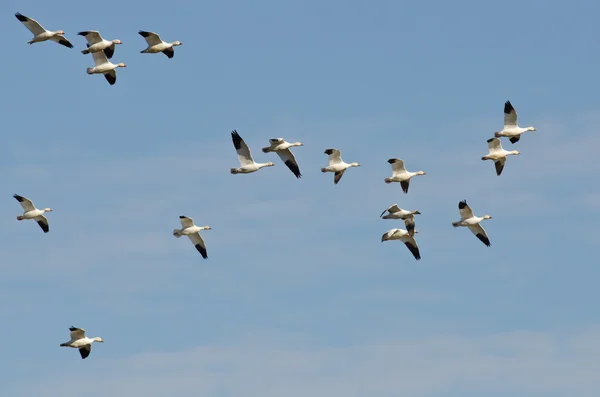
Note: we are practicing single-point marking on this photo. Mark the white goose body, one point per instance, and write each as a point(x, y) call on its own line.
point(336, 164)
point(81, 342)
point(105, 67)
point(31, 212)
point(247, 163)
point(395, 212)
point(156, 44)
point(468, 219)
point(188, 228)
point(40, 34)
point(406, 238)
point(400, 174)
point(282, 148)
point(511, 128)
point(498, 154)
point(96, 43)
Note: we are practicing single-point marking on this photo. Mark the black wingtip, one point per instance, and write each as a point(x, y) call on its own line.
point(462, 204)
point(508, 107)
point(143, 33)
point(391, 161)
point(72, 328)
point(202, 251)
point(82, 33)
point(489, 140)
point(182, 216)
point(19, 198)
point(21, 17)
point(328, 151)
point(514, 139)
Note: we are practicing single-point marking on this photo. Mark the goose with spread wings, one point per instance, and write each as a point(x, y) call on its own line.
point(156, 44)
point(193, 232)
point(498, 154)
point(399, 174)
point(30, 212)
point(40, 34)
point(282, 148)
point(404, 236)
point(96, 43)
point(511, 128)
point(336, 164)
point(81, 342)
point(395, 212)
point(468, 219)
point(247, 163)
point(105, 67)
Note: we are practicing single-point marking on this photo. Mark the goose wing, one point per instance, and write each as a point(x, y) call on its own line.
point(479, 231)
point(412, 246)
point(494, 144)
point(62, 40)
point(465, 211)
point(290, 161)
point(110, 51)
point(85, 351)
point(199, 244)
point(76, 333)
point(31, 24)
point(111, 76)
point(510, 115)
point(335, 156)
point(243, 151)
point(500, 165)
point(337, 176)
point(391, 209)
point(397, 166)
point(99, 58)
point(151, 38)
point(92, 37)
point(43, 222)
point(404, 185)
point(186, 221)
point(169, 52)
point(409, 222)
point(25, 203)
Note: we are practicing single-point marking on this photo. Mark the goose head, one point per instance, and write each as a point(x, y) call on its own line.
point(117, 41)
point(59, 32)
point(98, 339)
point(355, 164)
point(176, 43)
point(47, 209)
point(297, 144)
point(531, 129)
point(487, 217)
point(206, 228)
point(515, 152)
point(121, 65)
point(421, 173)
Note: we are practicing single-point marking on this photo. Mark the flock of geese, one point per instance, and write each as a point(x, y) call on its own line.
point(102, 50)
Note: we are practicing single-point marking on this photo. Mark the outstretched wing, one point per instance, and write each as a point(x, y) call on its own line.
point(243, 151)
point(25, 203)
point(199, 244)
point(404, 185)
point(85, 351)
point(99, 58)
point(397, 166)
point(111, 76)
point(186, 221)
point(290, 161)
point(169, 52)
point(494, 144)
point(62, 40)
point(479, 231)
point(510, 115)
point(77, 333)
point(92, 36)
point(465, 211)
point(337, 176)
point(43, 222)
point(151, 38)
point(500, 165)
point(335, 156)
point(412, 246)
point(409, 222)
point(391, 209)
point(31, 24)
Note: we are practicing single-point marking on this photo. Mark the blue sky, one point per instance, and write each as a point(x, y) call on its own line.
point(299, 296)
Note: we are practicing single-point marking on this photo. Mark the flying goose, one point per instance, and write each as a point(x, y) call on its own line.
point(193, 232)
point(511, 128)
point(40, 34)
point(405, 237)
point(399, 174)
point(33, 213)
point(81, 342)
point(156, 45)
point(468, 219)
point(105, 67)
point(245, 156)
point(282, 148)
point(498, 154)
point(337, 165)
point(95, 43)
point(395, 212)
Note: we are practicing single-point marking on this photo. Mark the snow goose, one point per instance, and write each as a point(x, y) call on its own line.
point(468, 219)
point(40, 34)
point(105, 67)
point(498, 154)
point(399, 174)
point(511, 128)
point(395, 212)
point(245, 156)
point(337, 165)
point(282, 148)
point(95, 43)
point(156, 45)
point(405, 237)
point(193, 232)
point(33, 213)
point(81, 342)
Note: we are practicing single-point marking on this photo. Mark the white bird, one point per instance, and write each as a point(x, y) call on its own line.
point(511, 128)
point(245, 156)
point(405, 237)
point(336, 164)
point(105, 67)
point(498, 154)
point(33, 213)
point(468, 219)
point(96, 43)
point(40, 34)
point(399, 174)
point(395, 212)
point(193, 232)
point(81, 342)
point(156, 45)
point(282, 148)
